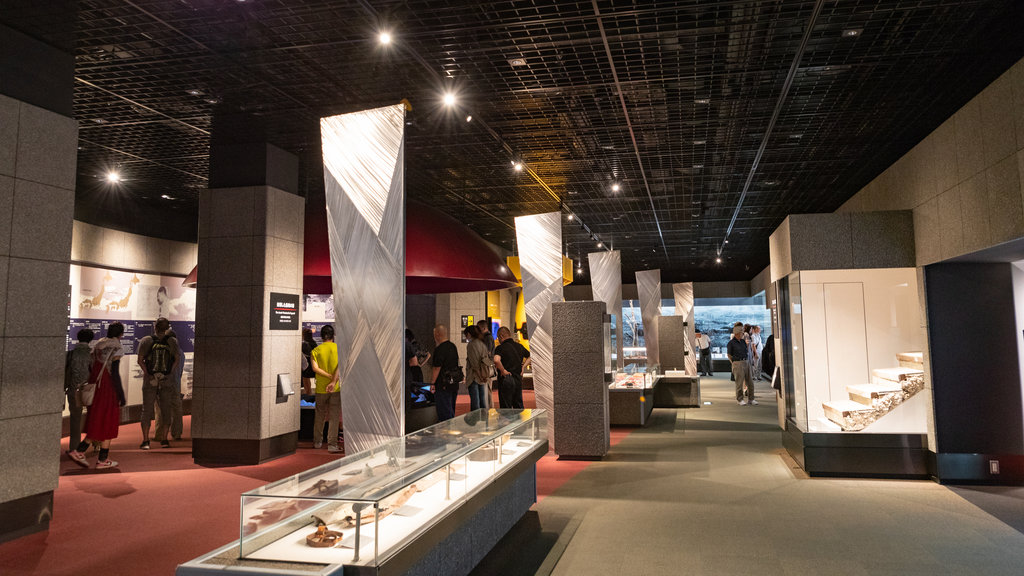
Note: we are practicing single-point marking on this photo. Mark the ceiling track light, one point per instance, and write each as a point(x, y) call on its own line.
point(449, 99)
point(384, 38)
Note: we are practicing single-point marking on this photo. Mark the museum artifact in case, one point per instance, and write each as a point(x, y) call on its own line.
point(363, 509)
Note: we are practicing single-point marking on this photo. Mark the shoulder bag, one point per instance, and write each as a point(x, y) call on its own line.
point(87, 392)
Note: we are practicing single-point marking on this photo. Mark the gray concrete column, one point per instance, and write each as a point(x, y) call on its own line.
point(250, 247)
point(38, 155)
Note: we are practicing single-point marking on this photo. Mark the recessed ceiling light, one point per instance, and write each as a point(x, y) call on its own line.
point(852, 32)
point(796, 136)
point(517, 61)
point(700, 142)
point(384, 38)
point(99, 120)
point(213, 101)
point(571, 218)
point(600, 244)
point(113, 176)
point(698, 165)
point(702, 101)
point(166, 197)
point(195, 92)
point(469, 118)
point(449, 99)
point(718, 260)
point(518, 166)
point(615, 187)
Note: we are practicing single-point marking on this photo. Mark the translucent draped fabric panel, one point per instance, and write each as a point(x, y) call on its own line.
point(539, 238)
point(365, 190)
point(683, 293)
point(606, 283)
point(648, 287)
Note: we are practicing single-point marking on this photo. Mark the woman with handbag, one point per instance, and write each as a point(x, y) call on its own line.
point(104, 417)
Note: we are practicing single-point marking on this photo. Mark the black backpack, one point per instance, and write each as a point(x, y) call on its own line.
point(160, 357)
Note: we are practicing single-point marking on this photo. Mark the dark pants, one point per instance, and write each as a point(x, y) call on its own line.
point(510, 392)
point(704, 367)
point(75, 431)
point(444, 401)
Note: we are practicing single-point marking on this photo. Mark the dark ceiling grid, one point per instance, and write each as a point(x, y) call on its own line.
point(856, 104)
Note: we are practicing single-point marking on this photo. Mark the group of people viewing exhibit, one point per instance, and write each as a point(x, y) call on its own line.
point(92, 380)
point(750, 359)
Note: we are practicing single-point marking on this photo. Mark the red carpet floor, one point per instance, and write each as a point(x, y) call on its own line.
point(159, 509)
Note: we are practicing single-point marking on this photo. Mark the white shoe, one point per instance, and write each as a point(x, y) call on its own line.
point(753, 402)
point(743, 402)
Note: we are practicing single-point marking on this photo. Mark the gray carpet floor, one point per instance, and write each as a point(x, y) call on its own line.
point(710, 491)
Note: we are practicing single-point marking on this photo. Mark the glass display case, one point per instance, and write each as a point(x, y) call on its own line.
point(635, 377)
point(852, 352)
point(364, 508)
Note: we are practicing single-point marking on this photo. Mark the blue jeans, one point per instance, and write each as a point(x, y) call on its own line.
point(477, 396)
point(444, 401)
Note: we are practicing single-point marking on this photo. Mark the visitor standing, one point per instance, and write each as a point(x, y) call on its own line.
point(308, 375)
point(508, 361)
point(157, 356)
point(756, 346)
point(737, 349)
point(488, 338)
point(324, 359)
point(704, 346)
point(445, 362)
point(478, 368)
point(76, 372)
point(104, 417)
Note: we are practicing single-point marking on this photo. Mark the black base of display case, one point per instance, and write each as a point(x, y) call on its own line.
point(977, 469)
point(854, 455)
point(25, 516)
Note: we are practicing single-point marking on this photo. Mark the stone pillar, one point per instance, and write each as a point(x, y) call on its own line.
point(38, 156)
point(581, 422)
point(250, 267)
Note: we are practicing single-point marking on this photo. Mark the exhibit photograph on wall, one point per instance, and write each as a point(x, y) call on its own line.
point(712, 316)
point(100, 296)
point(317, 312)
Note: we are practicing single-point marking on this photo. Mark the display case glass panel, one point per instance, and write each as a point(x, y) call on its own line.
point(635, 377)
point(363, 508)
point(856, 341)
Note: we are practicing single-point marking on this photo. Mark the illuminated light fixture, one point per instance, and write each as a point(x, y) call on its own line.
point(166, 197)
point(99, 120)
point(698, 165)
point(796, 136)
point(571, 218)
point(449, 99)
point(384, 38)
point(212, 101)
point(113, 176)
point(852, 32)
point(195, 92)
point(718, 260)
point(517, 62)
point(503, 269)
point(518, 166)
point(615, 187)
point(699, 142)
point(702, 101)
point(726, 242)
point(600, 244)
point(469, 118)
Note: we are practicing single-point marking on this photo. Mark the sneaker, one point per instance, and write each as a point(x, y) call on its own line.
point(106, 464)
point(165, 444)
point(318, 445)
point(144, 445)
point(743, 402)
point(333, 449)
point(78, 458)
point(753, 402)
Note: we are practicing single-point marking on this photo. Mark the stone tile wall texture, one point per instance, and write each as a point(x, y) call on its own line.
point(38, 156)
point(238, 357)
point(580, 426)
point(964, 180)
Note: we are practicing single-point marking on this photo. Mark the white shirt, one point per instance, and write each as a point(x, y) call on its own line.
point(703, 341)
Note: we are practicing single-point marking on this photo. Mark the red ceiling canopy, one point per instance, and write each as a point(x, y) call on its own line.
point(442, 255)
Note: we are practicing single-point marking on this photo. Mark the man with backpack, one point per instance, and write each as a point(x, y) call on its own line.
point(158, 356)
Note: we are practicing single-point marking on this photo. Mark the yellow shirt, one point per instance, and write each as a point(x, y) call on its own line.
point(326, 357)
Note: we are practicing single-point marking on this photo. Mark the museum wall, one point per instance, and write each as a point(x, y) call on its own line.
point(974, 358)
point(103, 247)
point(734, 289)
point(963, 181)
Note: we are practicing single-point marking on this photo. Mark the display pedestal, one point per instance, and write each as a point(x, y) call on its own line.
point(856, 455)
point(677, 392)
point(630, 406)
